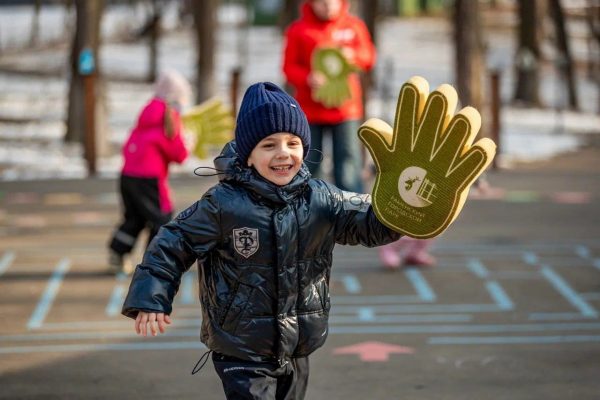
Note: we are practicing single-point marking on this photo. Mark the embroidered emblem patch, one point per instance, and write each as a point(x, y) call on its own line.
point(245, 241)
point(187, 212)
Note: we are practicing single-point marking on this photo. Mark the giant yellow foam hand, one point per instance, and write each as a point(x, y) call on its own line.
point(330, 62)
point(427, 161)
point(212, 123)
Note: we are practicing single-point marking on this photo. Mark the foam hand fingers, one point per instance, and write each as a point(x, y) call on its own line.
point(438, 111)
point(428, 159)
point(376, 136)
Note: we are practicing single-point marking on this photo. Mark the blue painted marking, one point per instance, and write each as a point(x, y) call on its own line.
point(499, 295)
point(515, 339)
point(596, 263)
point(411, 329)
point(39, 314)
point(116, 300)
point(401, 319)
point(554, 316)
point(421, 286)
point(530, 257)
point(103, 347)
point(582, 251)
point(568, 293)
point(366, 314)
point(351, 284)
point(6, 261)
point(187, 289)
point(477, 268)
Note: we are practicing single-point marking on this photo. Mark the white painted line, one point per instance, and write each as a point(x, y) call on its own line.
point(515, 339)
point(103, 347)
point(6, 261)
point(39, 314)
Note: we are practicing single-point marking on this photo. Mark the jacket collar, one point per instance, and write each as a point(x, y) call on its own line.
point(232, 170)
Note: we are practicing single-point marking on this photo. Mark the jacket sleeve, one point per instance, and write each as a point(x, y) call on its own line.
point(295, 67)
point(356, 222)
point(178, 244)
point(174, 148)
point(363, 47)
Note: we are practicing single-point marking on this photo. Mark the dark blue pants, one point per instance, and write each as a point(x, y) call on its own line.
point(347, 157)
point(248, 380)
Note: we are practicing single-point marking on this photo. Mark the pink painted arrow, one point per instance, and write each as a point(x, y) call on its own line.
point(373, 351)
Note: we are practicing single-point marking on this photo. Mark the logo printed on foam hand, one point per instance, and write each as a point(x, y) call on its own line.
point(427, 161)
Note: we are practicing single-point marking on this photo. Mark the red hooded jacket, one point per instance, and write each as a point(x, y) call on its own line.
point(148, 151)
point(310, 32)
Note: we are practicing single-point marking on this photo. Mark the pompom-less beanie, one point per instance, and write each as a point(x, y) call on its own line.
point(267, 109)
point(173, 88)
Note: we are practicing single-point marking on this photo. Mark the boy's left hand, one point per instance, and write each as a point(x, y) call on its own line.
point(144, 318)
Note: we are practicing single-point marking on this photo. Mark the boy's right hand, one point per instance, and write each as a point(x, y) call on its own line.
point(144, 318)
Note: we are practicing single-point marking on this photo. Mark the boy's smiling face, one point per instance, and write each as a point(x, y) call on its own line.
point(278, 157)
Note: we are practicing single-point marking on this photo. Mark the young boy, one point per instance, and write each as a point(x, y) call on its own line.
point(263, 239)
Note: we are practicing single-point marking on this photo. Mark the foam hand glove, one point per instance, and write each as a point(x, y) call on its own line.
point(427, 161)
point(334, 66)
point(212, 123)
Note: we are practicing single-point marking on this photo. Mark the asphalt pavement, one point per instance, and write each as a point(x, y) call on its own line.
point(511, 311)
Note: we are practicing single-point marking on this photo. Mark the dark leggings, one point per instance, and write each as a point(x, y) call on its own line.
point(141, 206)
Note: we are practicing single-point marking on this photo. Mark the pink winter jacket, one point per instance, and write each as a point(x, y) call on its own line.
point(148, 151)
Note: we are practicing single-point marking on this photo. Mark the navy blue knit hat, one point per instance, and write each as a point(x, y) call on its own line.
point(266, 109)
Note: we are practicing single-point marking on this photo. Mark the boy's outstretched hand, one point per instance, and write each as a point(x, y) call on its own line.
point(427, 161)
point(144, 318)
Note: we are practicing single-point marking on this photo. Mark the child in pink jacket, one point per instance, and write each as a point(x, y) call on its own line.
point(153, 144)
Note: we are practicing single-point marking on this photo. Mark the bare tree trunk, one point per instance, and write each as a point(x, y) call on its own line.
point(368, 12)
point(565, 61)
point(528, 54)
point(87, 35)
point(205, 21)
point(35, 24)
point(290, 12)
point(593, 20)
point(468, 49)
point(152, 30)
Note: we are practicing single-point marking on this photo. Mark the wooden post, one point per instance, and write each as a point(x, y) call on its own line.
point(234, 88)
point(495, 113)
point(90, 122)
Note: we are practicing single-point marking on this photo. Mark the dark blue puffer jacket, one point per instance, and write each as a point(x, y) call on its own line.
point(264, 254)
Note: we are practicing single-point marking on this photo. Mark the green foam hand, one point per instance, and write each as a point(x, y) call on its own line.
point(212, 123)
point(333, 65)
point(427, 161)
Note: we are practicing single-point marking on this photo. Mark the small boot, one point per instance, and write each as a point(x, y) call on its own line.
point(389, 256)
point(120, 263)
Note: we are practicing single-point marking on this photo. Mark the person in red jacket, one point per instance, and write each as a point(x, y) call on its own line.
point(153, 144)
point(328, 23)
